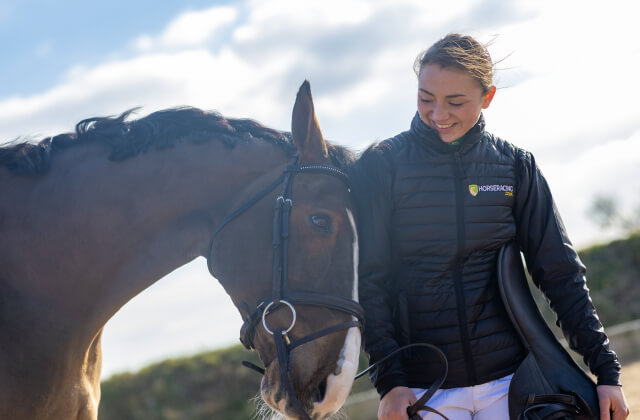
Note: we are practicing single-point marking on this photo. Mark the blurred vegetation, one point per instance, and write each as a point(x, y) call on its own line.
point(214, 385)
point(607, 213)
point(211, 385)
point(613, 275)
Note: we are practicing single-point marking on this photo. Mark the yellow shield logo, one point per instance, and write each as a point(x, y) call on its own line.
point(473, 189)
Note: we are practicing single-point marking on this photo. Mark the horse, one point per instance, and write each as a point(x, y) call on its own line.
point(91, 218)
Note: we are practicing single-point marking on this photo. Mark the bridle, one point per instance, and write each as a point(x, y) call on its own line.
point(282, 296)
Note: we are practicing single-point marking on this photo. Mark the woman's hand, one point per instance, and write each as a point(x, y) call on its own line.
point(393, 405)
point(613, 404)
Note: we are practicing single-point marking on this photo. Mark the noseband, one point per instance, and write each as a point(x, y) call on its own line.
point(281, 295)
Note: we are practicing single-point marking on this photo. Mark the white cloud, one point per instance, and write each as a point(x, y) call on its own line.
point(359, 95)
point(190, 29)
point(222, 81)
point(311, 15)
point(608, 169)
point(579, 80)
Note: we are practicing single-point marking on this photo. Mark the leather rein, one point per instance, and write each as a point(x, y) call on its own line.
point(281, 295)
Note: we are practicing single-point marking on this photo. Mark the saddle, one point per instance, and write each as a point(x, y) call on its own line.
point(548, 384)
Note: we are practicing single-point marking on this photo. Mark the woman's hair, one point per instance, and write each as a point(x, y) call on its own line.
point(461, 52)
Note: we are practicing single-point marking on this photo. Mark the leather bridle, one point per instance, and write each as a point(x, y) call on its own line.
point(282, 296)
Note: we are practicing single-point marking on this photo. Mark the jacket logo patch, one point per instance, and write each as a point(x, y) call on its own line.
point(475, 189)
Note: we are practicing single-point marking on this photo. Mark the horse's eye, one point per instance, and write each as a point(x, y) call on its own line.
point(320, 222)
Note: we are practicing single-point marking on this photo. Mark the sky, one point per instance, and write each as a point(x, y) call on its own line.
point(566, 77)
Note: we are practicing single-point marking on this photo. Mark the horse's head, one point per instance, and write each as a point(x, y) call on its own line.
point(296, 286)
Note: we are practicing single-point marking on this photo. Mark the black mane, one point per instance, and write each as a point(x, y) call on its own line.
point(159, 130)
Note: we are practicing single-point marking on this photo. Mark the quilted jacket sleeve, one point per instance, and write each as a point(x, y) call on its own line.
point(557, 270)
point(373, 189)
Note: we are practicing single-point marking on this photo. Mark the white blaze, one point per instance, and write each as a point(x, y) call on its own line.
point(356, 256)
point(339, 384)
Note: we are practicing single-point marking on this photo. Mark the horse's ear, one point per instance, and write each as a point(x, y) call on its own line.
point(305, 130)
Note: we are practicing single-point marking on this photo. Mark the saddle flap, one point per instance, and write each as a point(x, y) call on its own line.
point(548, 369)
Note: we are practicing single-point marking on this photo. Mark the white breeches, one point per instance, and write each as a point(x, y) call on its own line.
point(480, 402)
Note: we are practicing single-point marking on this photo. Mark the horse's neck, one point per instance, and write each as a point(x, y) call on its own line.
point(93, 233)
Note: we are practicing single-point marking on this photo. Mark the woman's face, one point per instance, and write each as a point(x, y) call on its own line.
point(450, 100)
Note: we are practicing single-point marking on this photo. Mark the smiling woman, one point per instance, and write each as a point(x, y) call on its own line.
point(121, 223)
point(437, 205)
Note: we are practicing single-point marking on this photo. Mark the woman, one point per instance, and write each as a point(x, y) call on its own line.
point(436, 204)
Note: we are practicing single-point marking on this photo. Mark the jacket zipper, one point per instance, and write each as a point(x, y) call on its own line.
point(457, 271)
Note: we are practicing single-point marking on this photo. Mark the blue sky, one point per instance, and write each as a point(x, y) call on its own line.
point(568, 92)
point(46, 36)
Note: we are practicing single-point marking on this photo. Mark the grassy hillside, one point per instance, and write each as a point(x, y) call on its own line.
point(211, 385)
point(613, 277)
point(214, 385)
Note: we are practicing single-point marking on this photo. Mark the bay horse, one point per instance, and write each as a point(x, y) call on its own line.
point(91, 218)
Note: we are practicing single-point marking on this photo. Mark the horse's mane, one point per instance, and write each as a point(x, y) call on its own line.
point(161, 129)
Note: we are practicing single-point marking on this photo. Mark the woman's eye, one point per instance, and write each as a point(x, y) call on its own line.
point(320, 222)
point(426, 101)
point(452, 104)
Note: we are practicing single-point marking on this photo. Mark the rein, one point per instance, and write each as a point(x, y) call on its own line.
point(281, 295)
point(421, 403)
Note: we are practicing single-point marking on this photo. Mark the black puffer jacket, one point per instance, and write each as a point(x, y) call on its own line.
point(431, 219)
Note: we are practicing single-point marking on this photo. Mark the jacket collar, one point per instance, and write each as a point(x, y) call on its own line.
point(430, 137)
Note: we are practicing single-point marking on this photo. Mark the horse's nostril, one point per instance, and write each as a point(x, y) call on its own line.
point(320, 392)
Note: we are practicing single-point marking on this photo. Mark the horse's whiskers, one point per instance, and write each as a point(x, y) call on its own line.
point(263, 411)
point(339, 415)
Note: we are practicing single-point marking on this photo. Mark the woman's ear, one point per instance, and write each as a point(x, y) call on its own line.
point(488, 97)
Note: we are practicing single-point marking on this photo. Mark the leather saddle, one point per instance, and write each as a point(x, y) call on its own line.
point(548, 384)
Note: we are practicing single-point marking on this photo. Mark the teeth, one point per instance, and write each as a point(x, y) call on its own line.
point(443, 126)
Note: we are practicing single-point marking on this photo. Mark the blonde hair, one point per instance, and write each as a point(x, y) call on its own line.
point(461, 52)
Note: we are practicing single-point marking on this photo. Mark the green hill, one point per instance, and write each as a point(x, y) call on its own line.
point(613, 277)
point(211, 385)
point(214, 385)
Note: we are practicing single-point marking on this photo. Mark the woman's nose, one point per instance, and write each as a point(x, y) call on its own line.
point(439, 113)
